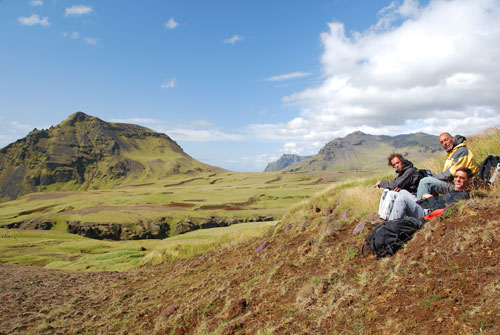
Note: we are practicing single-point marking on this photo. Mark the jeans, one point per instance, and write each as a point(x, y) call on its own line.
point(433, 185)
point(406, 205)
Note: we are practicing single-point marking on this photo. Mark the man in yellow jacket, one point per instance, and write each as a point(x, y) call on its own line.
point(458, 155)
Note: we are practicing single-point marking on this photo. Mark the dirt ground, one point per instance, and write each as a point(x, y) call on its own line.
point(304, 279)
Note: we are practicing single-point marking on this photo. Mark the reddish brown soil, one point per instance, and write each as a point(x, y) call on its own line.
point(182, 182)
point(46, 196)
point(273, 180)
point(307, 278)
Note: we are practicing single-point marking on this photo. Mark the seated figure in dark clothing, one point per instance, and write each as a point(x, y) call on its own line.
point(407, 175)
point(407, 205)
point(407, 179)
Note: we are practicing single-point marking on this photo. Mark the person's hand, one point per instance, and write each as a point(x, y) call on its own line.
point(427, 196)
point(377, 184)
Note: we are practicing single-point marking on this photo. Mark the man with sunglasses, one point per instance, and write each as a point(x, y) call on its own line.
point(458, 155)
point(407, 205)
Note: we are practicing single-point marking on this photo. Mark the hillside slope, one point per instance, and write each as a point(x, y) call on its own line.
point(84, 152)
point(306, 277)
point(359, 151)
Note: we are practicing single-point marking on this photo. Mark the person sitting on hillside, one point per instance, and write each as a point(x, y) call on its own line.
point(407, 205)
point(407, 179)
point(458, 156)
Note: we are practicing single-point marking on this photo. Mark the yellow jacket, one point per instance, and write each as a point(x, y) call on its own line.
point(459, 156)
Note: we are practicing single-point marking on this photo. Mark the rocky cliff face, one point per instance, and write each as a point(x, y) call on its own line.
point(284, 161)
point(84, 151)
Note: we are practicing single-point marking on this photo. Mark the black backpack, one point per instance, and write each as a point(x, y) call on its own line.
point(487, 166)
point(389, 236)
point(425, 173)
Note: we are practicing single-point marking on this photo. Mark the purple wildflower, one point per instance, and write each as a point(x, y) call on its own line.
point(259, 249)
point(344, 216)
point(359, 228)
point(328, 212)
point(331, 231)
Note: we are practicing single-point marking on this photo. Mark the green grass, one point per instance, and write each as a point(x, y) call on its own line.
point(203, 194)
point(60, 250)
point(228, 194)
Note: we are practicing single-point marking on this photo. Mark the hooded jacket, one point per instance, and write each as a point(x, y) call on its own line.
point(407, 179)
point(458, 156)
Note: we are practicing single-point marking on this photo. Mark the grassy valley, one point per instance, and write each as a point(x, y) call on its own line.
point(302, 274)
point(177, 204)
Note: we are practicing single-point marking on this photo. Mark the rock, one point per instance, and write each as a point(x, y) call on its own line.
point(284, 161)
point(115, 231)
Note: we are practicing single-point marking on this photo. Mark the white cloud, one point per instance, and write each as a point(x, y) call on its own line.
point(233, 39)
point(201, 123)
point(169, 84)
point(10, 131)
point(171, 24)
point(74, 35)
point(432, 69)
point(200, 135)
point(35, 3)
point(139, 120)
point(195, 131)
point(77, 10)
point(20, 126)
point(288, 76)
point(90, 40)
point(261, 161)
point(33, 20)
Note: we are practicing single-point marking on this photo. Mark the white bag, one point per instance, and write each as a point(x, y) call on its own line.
point(496, 175)
point(386, 203)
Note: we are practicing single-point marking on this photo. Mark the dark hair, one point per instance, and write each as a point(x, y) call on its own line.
point(392, 156)
point(468, 171)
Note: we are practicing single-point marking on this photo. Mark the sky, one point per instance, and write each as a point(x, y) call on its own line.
point(238, 83)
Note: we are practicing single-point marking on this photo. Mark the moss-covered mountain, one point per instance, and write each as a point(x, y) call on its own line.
point(84, 152)
point(359, 151)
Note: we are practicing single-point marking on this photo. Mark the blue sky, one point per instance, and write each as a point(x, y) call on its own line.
point(238, 83)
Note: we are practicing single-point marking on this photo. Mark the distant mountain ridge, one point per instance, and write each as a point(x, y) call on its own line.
point(85, 152)
point(360, 151)
point(284, 161)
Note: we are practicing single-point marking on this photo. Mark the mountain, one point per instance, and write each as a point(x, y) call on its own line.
point(284, 161)
point(360, 151)
point(85, 152)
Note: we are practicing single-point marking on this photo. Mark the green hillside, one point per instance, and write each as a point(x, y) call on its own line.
point(85, 153)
